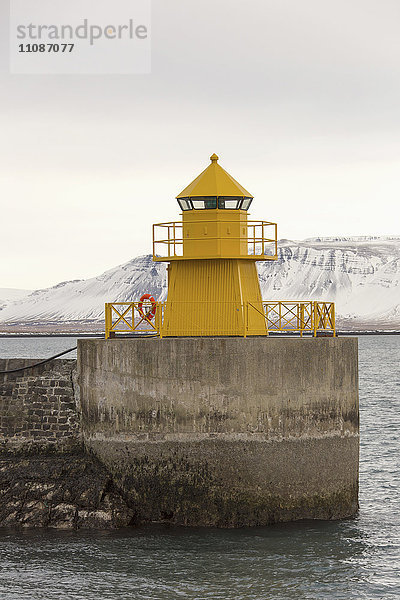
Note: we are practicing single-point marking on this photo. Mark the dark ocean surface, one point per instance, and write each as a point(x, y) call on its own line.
point(357, 558)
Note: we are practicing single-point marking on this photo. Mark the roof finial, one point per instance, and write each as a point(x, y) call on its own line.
point(213, 158)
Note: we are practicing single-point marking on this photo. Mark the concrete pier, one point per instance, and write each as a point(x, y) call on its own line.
point(225, 431)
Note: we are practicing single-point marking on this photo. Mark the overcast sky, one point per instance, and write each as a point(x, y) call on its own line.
point(301, 101)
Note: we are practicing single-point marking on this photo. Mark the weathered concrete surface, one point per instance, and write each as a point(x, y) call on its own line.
point(225, 431)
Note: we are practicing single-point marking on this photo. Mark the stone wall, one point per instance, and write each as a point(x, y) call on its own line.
point(225, 431)
point(46, 478)
point(37, 406)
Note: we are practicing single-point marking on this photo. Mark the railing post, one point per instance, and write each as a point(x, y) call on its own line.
point(174, 238)
point(301, 319)
point(133, 307)
point(333, 319)
point(159, 318)
point(315, 316)
point(262, 239)
point(107, 320)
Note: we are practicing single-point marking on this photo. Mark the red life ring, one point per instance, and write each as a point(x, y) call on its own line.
point(152, 311)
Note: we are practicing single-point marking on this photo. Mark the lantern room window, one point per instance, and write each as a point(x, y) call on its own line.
point(229, 202)
point(185, 204)
point(212, 202)
point(246, 203)
point(205, 202)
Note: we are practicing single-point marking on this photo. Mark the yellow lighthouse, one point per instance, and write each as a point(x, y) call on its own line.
point(213, 286)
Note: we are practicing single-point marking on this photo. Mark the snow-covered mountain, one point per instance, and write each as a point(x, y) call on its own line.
point(8, 295)
point(83, 300)
point(360, 274)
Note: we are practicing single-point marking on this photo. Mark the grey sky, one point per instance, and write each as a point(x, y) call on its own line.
point(299, 99)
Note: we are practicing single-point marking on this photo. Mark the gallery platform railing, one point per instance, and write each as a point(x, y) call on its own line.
point(258, 241)
point(216, 318)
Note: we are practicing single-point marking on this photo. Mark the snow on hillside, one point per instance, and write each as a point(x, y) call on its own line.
point(361, 275)
point(83, 300)
point(8, 295)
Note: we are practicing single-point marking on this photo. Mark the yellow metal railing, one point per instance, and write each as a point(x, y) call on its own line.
point(299, 317)
point(170, 244)
point(324, 317)
point(168, 240)
point(130, 317)
point(216, 318)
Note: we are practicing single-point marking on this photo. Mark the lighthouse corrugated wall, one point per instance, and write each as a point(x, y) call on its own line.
point(208, 297)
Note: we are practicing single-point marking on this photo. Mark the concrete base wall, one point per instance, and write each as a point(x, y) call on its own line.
point(225, 431)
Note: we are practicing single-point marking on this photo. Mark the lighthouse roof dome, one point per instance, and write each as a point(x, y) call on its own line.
point(214, 181)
